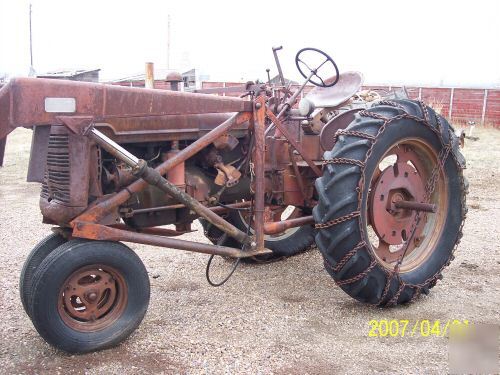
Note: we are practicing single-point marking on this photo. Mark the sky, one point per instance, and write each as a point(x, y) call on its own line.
point(437, 43)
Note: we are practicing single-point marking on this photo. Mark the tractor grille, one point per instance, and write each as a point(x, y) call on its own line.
point(56, 183)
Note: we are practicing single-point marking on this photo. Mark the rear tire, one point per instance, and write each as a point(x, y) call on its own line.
point(89, 295)
point(34, 259)
point(349, 254)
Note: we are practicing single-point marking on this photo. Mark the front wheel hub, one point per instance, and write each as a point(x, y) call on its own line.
point(92, 298)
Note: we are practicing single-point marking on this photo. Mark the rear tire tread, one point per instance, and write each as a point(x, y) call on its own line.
point(359, 273)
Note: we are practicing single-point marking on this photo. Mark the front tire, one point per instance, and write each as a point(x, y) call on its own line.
point(34, 259)
point(89, 295)
point(368, 258)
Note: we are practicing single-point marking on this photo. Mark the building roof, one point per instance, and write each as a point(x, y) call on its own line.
point(66, 73)
point(159, 74)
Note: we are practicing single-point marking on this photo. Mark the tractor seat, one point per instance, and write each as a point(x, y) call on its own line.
point(349, 84)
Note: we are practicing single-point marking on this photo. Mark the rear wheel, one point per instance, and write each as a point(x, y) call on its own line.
point(89, 295)
point(377, 251)
point(285, 244)
point(35, 257)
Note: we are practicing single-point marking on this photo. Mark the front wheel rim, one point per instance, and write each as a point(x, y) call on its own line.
point(92, 298)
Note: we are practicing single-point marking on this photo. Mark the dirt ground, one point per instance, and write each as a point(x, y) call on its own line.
point(284, 318)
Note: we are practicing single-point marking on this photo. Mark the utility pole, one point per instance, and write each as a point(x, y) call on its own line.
point(32, 69)
point(168, 42)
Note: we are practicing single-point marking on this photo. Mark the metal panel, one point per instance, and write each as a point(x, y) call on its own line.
point(22, 102)
point(38, 154)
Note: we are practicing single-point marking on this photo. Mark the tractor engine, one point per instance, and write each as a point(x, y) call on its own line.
point(78, 174)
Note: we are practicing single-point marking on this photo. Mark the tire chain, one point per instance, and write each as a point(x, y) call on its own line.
point(345, 258)
point(430, 187)
point(344, 161)
point(338, 220)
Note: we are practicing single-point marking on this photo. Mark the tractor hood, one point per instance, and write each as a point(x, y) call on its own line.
point(127, 114)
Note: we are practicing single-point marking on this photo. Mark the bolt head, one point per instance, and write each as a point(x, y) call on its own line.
point(92, 296)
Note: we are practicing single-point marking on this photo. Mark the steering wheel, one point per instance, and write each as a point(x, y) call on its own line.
point(314, 71)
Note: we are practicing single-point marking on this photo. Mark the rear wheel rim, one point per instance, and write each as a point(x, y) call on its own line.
point(92, 298)
point(388, 229)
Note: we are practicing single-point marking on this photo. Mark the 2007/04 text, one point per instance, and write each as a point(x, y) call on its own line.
point(421, 327)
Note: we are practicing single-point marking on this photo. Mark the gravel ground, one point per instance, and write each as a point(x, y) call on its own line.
point(285, 318)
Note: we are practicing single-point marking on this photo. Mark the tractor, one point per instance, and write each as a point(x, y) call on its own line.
point(377, 185)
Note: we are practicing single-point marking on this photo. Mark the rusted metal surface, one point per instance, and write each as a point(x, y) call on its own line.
point(165, 128)
point(92, 298)
point(226, 142)
point(38, 153)
point(102, 232)
point(416, 206)
point(311, 147)
point(399, 182)
point(259, 169)
point(79, 124)
point(64, 194)
point(153, 177)
point(216, 209)
point(177, 175)
point(22, 102)
point(281, 226)
point(81, 190)
point(155, 231)
point(222, 90)
point(220, 209)
point(278, 65)
point(114, 115)
point(298, 176)
point(293, 142)
point(99, 211)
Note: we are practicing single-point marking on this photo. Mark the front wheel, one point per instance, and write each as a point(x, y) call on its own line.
point(389, 165)
point(89, 295)
point(34, 259)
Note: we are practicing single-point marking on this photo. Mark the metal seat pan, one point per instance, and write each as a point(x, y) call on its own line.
point(349, 84)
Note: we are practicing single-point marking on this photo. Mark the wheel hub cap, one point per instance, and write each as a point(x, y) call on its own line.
point(92, 298)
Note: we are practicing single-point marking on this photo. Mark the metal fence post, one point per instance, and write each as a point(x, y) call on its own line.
point(450, 111)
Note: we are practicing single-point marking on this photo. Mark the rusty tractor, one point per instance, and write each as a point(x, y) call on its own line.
point(377, 185)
